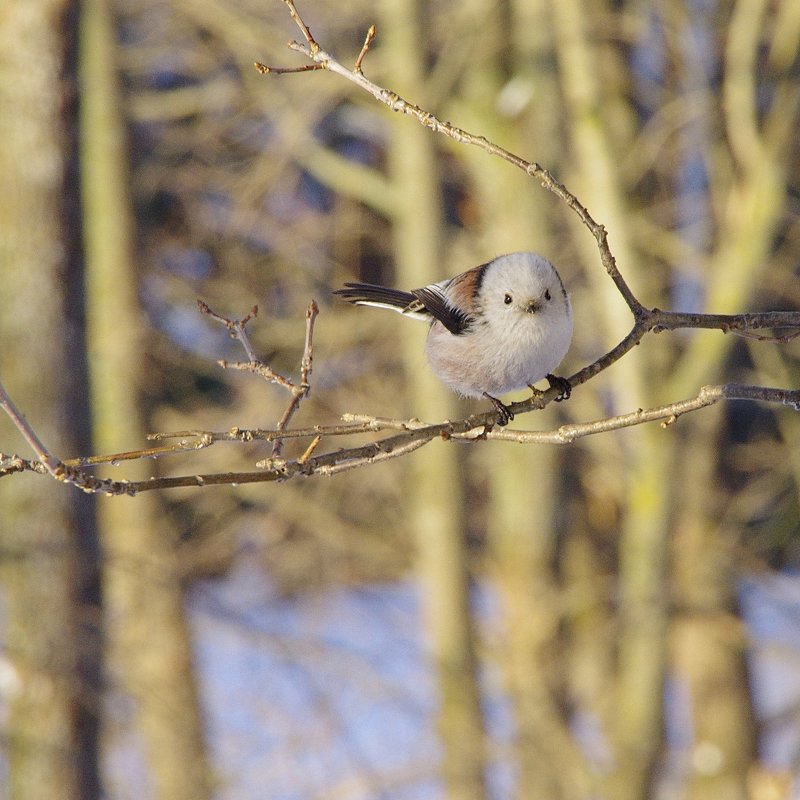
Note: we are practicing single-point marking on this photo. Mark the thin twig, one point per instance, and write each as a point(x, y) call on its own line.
point(309, 450)
point(782, 339)
point(50, 462)
point(259, 368)
point(54, 466)
point(264, 69)
point(9, 464)
point(370, 37)
point(299, 393)
point(313, 46)
point(668, 414)
point(311, 50)
point(310, 45)
point(236, 327)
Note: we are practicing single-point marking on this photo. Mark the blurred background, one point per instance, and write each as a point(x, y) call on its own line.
point(617, 618)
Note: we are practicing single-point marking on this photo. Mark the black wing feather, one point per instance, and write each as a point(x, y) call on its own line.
point(435, 302)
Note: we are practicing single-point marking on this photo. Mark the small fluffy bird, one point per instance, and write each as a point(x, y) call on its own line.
point(495, 328)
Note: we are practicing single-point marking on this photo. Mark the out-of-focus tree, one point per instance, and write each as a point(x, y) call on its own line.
point(48, 548)
point(435, 493)
point(615, 560)
point(727, 161)
point(146, 626)
point(521, 520)
point(586, 547)
point(751, 179)
point(592, 102)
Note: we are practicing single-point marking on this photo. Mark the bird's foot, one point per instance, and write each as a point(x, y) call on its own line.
point(562, 384)
point(504, 413)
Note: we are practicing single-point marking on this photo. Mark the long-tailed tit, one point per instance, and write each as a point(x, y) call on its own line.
point(494, 329)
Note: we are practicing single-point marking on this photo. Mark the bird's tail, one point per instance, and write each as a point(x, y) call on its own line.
point(368, 294)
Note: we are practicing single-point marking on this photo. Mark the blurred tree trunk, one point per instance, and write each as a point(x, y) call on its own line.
point(147, 627)
point(48, 552)
point(523, 482)
point(635, 719)
point(708, 638)
point(435, 500)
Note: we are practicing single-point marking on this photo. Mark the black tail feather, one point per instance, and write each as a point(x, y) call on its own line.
point(370, 293)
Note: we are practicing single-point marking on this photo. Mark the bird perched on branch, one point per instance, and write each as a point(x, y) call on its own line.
point(495, 328)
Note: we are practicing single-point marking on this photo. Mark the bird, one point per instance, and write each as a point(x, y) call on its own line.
point(496, 328)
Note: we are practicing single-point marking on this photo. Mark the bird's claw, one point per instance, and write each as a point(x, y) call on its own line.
point(504, 412)
point(562, 384)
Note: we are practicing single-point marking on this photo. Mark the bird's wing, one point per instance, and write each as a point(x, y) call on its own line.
point(434, 300)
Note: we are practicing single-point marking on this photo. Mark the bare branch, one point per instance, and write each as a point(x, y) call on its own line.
point(310, 46)
point(51, 463)
point(56, 468)
point(313, 46)
point(393, 100)
point(299, 393)
point(415, 434)
point(236, 327)
point(668, 414)
point(371, 33)
point(652, 319)
point(412, 434)
point(261, 369)
point(264, 69)
point(10, 464)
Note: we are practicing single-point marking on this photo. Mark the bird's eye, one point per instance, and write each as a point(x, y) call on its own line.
point(546, 294)
point(507, 299)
